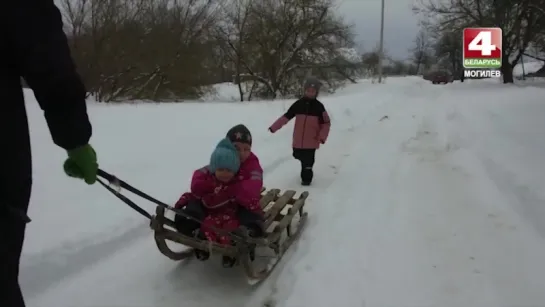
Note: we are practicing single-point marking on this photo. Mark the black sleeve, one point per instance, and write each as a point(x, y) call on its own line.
point(292, 111)
point(36, 33)
point(322, 112)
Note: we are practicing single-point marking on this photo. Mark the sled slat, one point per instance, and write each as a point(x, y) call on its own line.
point(268, 197)
point(280, 203)
point(299, 203)
point(169, 222)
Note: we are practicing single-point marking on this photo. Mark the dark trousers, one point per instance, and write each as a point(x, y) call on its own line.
point(252, 221)
point(13, 209)
point(307, 159)
point(15, 186)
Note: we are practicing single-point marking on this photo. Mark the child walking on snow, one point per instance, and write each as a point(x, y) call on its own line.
point(311, 128)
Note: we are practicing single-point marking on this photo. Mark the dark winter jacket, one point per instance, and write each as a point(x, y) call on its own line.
point(35, 48)
point(312, 123)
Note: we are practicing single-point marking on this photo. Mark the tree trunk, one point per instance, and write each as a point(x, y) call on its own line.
point(508, 74)
point(239, 82)
point(454, 63)
point(507, 70)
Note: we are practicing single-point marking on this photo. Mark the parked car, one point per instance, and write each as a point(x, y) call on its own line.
point(441, 77)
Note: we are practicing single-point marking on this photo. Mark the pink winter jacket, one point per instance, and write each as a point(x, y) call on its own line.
point(312, 123)
point(244, 190)
point(250, 182)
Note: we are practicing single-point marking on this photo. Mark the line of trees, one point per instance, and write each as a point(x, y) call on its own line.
point(440, 40)
point(169, 50)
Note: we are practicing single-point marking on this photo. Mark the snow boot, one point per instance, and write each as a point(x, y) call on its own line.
point(306, 176)
point(201, 254)
point(255, 231)
point(251, 253)
point(228, 262)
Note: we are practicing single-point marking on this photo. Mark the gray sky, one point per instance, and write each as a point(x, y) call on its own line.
point(400, 24)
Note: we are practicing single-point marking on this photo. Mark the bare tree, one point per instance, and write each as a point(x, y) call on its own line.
point(448, 50)
point(370, 62)
point(277, 42)
point(421, 54)
point(232, 36)
point(172, 49)
point(137, 49)
point(539, 41)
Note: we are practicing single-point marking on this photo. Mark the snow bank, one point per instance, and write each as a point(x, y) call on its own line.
point(223, 92)
point(529, 67)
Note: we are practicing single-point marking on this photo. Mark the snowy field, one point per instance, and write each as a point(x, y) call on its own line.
point(441, 203)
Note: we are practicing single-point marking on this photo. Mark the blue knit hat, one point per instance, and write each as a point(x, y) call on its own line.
point(224, 156)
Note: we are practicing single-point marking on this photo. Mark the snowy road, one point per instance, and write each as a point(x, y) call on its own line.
point(439, 204)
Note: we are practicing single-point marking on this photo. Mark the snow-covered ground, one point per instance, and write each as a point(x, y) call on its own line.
point(527, 68)
point(439, 204)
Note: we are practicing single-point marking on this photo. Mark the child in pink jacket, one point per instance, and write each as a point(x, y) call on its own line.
point(224, 194)
point(311, 127)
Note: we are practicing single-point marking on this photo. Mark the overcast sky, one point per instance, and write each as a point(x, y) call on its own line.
point(400, 25)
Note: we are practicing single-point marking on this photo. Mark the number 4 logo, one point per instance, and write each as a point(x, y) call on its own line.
point(482, 47)
point(483, 43)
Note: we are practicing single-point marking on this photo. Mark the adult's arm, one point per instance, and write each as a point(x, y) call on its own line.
point(35, 32)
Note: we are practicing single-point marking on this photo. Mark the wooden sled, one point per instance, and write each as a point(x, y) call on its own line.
point(280, 210)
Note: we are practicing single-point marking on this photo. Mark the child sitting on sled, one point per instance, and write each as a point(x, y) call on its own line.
point(311, 127)
point(224, 194)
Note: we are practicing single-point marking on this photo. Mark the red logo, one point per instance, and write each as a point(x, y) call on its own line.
point(482, 48)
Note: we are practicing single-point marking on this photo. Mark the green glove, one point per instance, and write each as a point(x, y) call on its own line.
point(82, 163)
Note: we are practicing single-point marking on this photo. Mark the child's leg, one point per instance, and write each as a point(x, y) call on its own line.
point(229, 224)
point(307, 162)
point(252, 221)
point(206, 233)
point(186, 226)
point(299, 154)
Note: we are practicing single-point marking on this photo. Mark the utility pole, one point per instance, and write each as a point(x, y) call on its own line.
point(381, 44)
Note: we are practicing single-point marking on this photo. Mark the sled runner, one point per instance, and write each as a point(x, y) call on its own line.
point(284, 222)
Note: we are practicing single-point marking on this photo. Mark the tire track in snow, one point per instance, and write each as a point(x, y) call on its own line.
point(329, 160)
point(271, 167)
point(339, 150)
point(38, 273)
point(333, 212)
point(55, 266)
